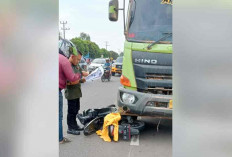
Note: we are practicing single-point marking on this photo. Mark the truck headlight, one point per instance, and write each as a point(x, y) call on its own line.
point(128, 98)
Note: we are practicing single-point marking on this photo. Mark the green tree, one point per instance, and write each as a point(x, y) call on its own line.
point(93, 49)
point(86, 50)
point(86, 46)
point(79, 44)
point(104, 52)
point(113, 54)
point(84, 36)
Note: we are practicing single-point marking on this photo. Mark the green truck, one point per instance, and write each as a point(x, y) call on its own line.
point(147, 61)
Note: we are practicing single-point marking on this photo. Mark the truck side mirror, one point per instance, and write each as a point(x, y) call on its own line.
point(113, 10)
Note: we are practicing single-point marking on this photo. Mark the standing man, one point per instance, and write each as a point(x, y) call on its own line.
point(73, 94)
point(65, 73)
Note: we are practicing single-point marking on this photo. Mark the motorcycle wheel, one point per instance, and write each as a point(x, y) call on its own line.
point(136, 124)
point(103, 79)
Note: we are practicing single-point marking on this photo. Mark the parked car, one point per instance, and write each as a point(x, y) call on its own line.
point(117, 66)
point(96, 63)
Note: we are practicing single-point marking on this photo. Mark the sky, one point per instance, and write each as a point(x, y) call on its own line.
point(91, 17)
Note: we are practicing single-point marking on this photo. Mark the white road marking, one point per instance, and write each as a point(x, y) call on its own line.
point(129, 154)
point(135, 140)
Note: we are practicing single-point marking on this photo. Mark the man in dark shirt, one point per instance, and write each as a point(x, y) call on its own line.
point(73, 94)
point(65, 73)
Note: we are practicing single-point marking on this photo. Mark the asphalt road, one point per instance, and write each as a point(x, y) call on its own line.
point(150, 143)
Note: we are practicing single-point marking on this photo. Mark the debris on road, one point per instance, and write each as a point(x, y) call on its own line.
point(111, 122)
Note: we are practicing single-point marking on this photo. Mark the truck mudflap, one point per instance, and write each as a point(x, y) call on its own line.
point(145, 104)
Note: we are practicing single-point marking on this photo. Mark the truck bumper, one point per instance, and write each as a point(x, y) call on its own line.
point(145, 104)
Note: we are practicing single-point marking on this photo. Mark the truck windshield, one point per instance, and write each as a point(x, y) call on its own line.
point(149, 20)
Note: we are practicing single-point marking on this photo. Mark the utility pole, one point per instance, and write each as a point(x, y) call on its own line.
point(107, 44)
point(64, 28)
point(60, 34)
point(119, 51)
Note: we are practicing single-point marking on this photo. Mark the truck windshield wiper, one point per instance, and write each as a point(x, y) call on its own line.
point(161, 39)
point(132, 14)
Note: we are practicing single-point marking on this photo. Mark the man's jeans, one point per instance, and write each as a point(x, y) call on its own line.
point(60, 116)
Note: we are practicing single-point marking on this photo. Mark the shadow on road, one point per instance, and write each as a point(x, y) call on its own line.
point(154, 128)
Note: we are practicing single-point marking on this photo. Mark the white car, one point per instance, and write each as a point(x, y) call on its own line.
point(96, 63)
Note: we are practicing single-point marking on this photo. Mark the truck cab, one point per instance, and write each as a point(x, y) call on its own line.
point(147, 61)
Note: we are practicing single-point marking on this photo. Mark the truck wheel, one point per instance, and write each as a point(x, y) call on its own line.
point(113, 73)
point(136, 124)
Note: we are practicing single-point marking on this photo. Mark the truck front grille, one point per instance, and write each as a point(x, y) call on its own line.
point(159, 76)
point(153, 78)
